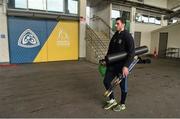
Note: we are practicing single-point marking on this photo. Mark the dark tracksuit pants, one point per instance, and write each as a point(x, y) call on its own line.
point(109, 76)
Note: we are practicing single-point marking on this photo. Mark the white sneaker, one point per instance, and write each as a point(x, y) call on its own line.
point(110, 104)
point(119, 108)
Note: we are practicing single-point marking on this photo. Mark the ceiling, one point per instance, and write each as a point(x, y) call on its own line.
point(92, 3)
point(171, 4)
point(0, 1)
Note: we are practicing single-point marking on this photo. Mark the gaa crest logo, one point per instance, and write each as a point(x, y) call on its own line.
point(28, 39)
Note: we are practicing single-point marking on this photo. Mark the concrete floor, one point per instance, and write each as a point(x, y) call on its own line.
point(74, 89)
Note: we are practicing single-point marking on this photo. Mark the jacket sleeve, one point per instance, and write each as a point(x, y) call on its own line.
point(110, 45)
point(109, 48)
point(130, 49)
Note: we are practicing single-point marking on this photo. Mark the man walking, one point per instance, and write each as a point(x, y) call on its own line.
point(121, 41)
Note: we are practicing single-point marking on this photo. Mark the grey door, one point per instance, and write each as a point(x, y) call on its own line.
point(163, 38)
point(137, 38)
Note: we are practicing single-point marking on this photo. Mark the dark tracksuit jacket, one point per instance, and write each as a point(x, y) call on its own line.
point(120, 42)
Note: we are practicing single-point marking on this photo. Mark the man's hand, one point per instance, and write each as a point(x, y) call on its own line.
point(102, 62)
point(125, 71)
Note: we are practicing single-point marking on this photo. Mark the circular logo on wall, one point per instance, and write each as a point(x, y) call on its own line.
point(28, 39)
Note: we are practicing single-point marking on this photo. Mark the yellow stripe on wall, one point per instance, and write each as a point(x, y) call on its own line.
point(62, 44)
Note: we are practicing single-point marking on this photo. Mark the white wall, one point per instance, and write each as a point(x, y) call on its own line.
point(173, 36)
point(82, 28)
point(4, 49)
point(146, 30)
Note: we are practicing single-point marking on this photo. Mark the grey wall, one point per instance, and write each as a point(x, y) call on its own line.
point(82, 28)
point(173, 36)
point(146, 30)
point(102, 10)
point(4, 50)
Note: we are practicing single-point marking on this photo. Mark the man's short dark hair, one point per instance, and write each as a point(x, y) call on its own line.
point(121, 19)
